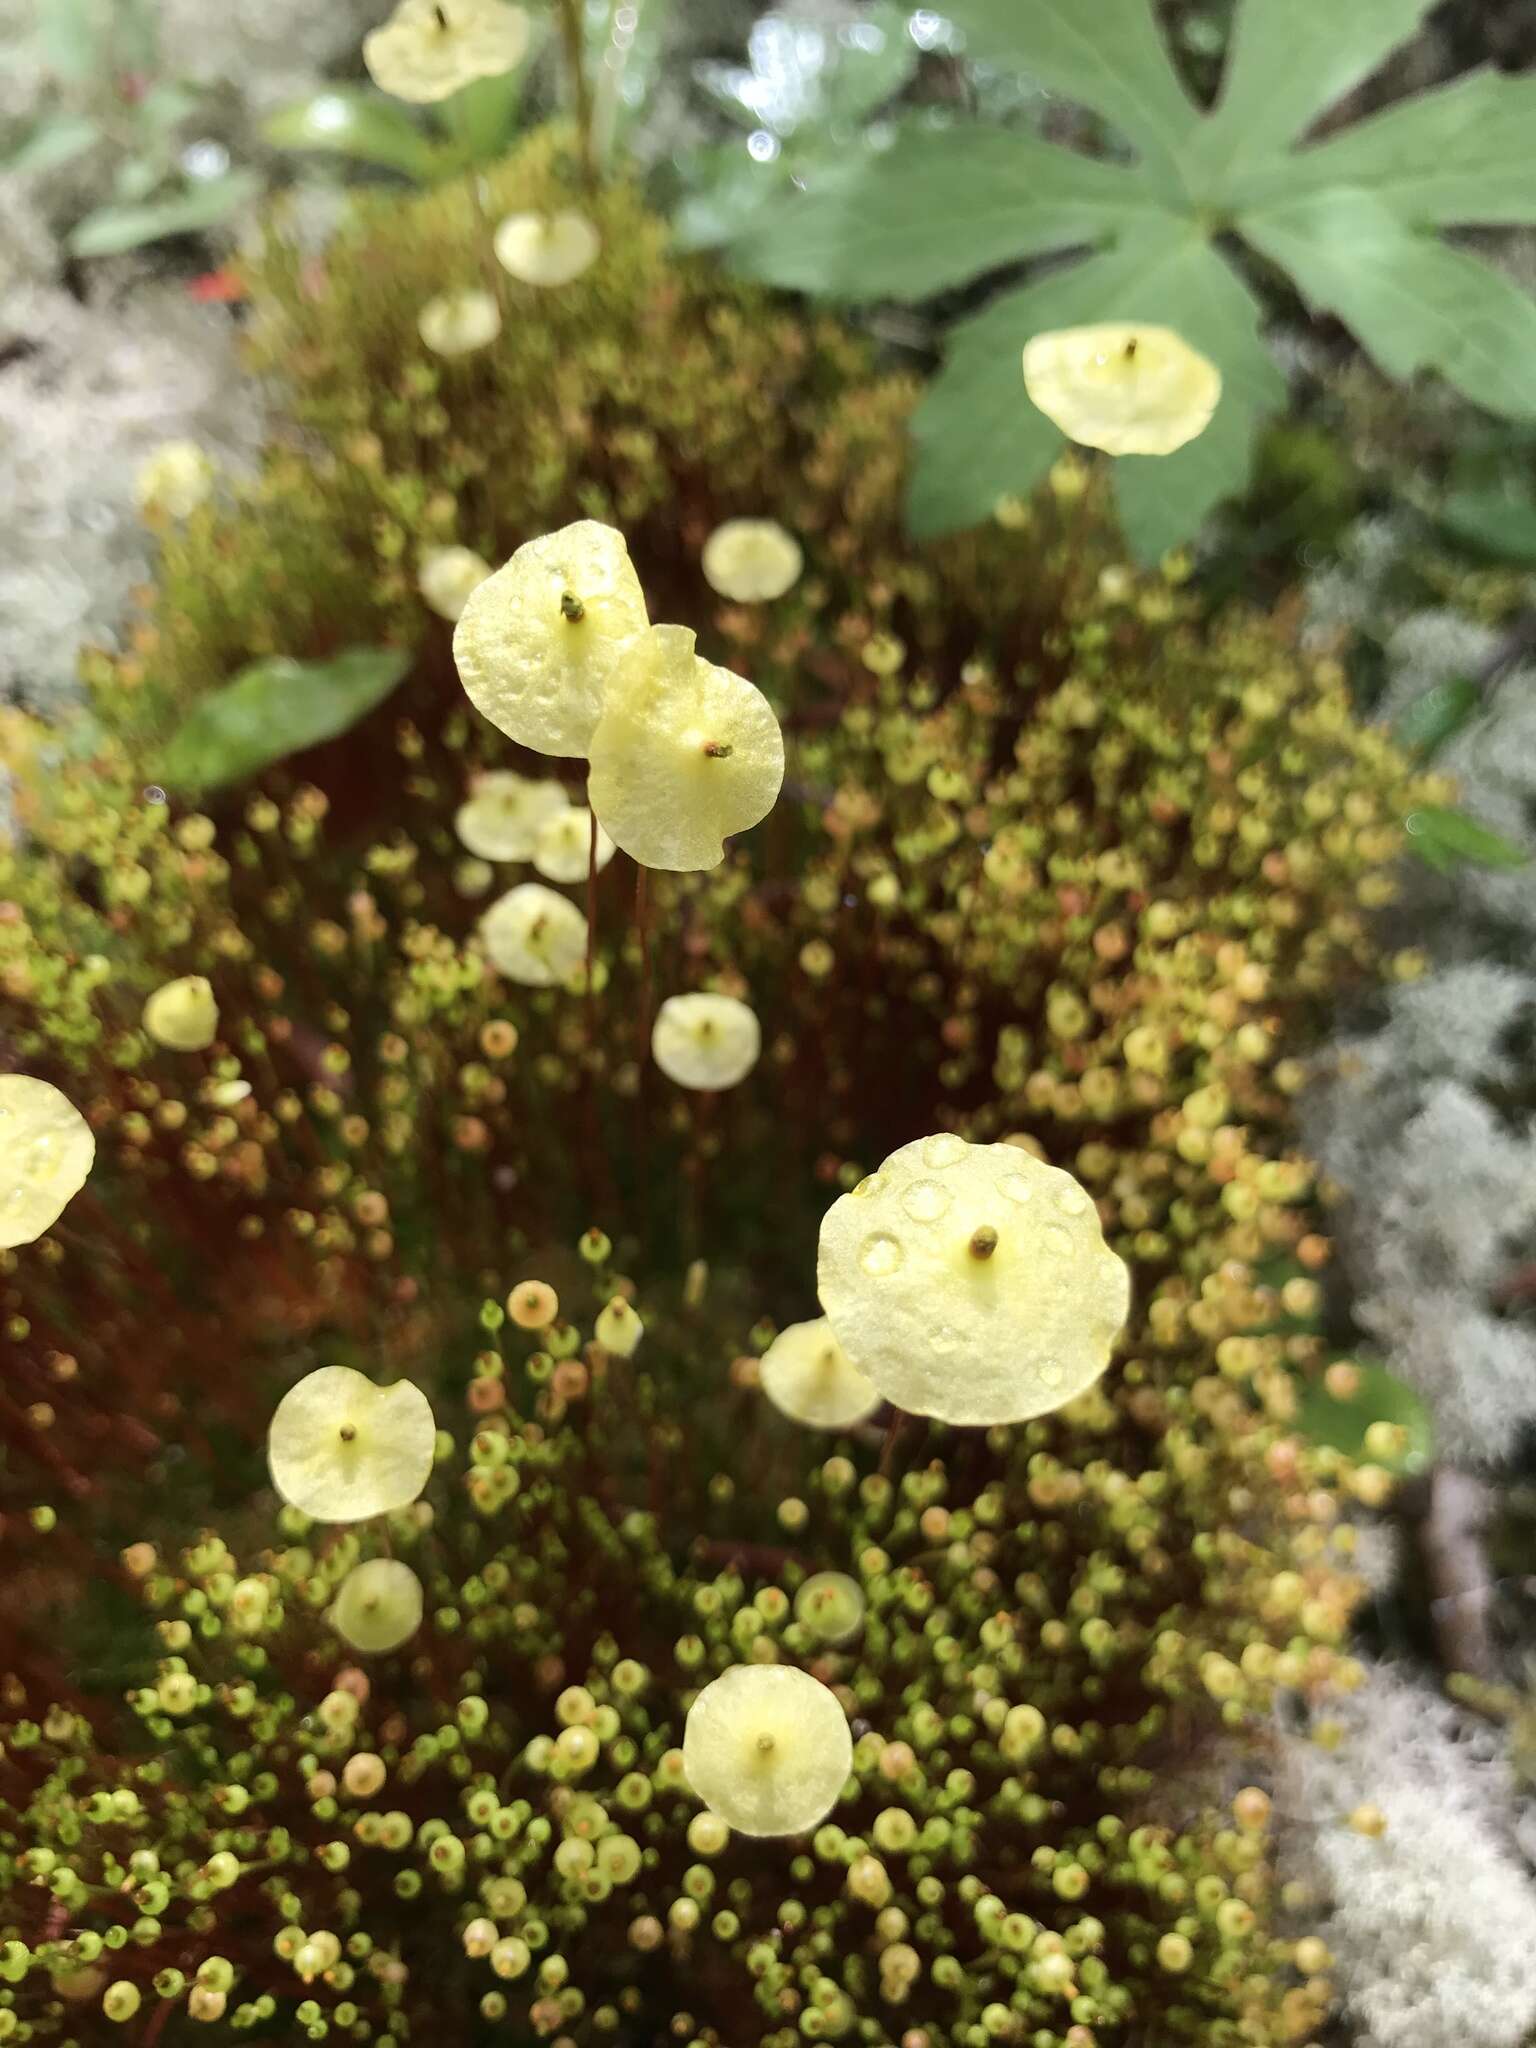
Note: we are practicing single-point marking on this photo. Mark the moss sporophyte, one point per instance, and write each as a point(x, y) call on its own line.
point(993, 893)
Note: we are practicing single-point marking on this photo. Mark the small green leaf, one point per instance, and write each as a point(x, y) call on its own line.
point(349, 121)
point(54, 143)
point(1446, 839)
point(276, 708)
point(1406, 1444)
point(70, 34)
point(112, 229)
point(1492, 523)
point(1430, 720)
point(481, 118)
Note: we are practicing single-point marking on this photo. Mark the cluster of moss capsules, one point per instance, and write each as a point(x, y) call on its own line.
point(1059, 860)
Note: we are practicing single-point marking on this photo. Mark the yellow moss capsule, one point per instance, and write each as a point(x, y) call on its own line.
point(767, 1748)
point(752, 561)
point(183, 1014)
point(808, 1376)
point(505, 813)
point(563, 849)
point(972, 1282)
point(430, 49)
point(455, 323)
point(538, 640)
point(684, 755)
point(174, 480)
point(379, 1606)
point(46, 1152)
point(547, 249)
point(448, 577)
point(705, 1041)
point(341, 1449)
point(1124, 386)
point(535, 936)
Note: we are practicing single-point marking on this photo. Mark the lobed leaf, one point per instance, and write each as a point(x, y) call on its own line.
point(1461, 153)
point(1412, 302)
point(937, 206)
point(1108, 56)
point(1286, 65)
point(275, 708)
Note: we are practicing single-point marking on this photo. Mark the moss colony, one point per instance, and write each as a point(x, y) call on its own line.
point(1060, 861)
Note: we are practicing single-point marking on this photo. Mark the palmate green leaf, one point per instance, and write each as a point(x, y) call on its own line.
point(1285, 66)
point(1460, 153)
point(1412, 300)
point(979, 438)
point(273, 709)
point(1106, 54)
point(1352, 219)
point(862, 230)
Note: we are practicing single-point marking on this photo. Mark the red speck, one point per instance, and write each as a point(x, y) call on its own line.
point(220, 287)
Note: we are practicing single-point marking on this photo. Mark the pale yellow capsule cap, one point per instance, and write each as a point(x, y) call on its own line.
point(562, 846)
point(752, 561)
point(808, 1375)
point(183, 1014)
point(455, 323)
point(448, 577)
point(430, 49)
point(535, 936)
point(547, 249)
point(538, 641)
point(174, 479)
point(767, 1748)
point(1123, 386)
point(46, 1152)
point(504, 813)
point(684, 755)
point(705, 1040)
point(972, 1282)
point(340, 1448)
point(378, 1607)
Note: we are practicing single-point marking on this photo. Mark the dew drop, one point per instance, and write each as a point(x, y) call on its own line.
point(1050, 1374)
point(1070, 1199)
point(871, 1184)
point(945, 1338)
point(1056, 1239)
point(154, 794)
point(925, 1201)
point(945, 1150)
point(881, 1254)
point(1016, 1188)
